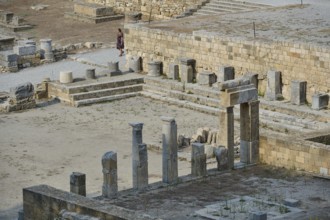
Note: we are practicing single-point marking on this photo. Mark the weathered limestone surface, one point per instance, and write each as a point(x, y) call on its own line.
point(274, 86)
point(110, 176)
point(226, 73)
point(198, 160)
point(320, 101)
point(298, 92)
point(170, 150)
point(78, 183)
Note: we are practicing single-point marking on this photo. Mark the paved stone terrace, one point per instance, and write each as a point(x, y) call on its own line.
point(308, 23)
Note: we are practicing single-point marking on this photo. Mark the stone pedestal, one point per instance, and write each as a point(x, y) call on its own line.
point(198, 160)
point(249, 125)
point(78, 183)
point(170, 150)
point(274, 86)
point(155, 68)
point(320, 101)
point(298, 92)
point(109, 164)
point(136, 141)
point(173, 72)
point(135, 64)
point(113, 68)
point(253, 77)
point(206, 79)
point(227, 133)
point(226, 73)
point(66, 77)
point(90, 74)
point(187, 69)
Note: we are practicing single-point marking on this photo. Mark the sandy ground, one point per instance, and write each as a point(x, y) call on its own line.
point(44, 145)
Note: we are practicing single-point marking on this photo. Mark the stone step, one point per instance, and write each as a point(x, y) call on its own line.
point(173, 85)
point(104, 99)
point(242, 3)
point(103, 85)
point(105, 92)
point(216, 10)
point(210, 12)
point(225, 7)
point(194, 98)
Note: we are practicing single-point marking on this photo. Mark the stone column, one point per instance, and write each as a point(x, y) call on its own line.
point(109, 164)
point(136, 141)
point(170, 150)
point(154, 68)
point(46, 48)
point(78, 183)
point(298, 92)
point(226, 135)
point(249, 125)
point(198, 160)
point(274, 87)
point(141, 168)
point(66, 77)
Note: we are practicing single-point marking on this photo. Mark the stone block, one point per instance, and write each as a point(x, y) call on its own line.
point(26, 42)
point(234, 83)
point(135, 64)
point(25, 50)
point(90, 74)
point(8, 56)
point(257, 215)
point(155, 68)
point(221, 154)
point(206, 78)
point(110, 175)
point(274, 86)
point(20, 214)
point(7, 16)
point(173, 72)
point(46, 45)
point(291, 202)
point(22, 91)
point(298, 92)
point(92, 10)
point(187, 74)
point(226, 73)
point(133, 17)
point(324, 171)
point(320, 101)
point(198, 160)
point(253, 77)
point(17, 21)
point(78, 183)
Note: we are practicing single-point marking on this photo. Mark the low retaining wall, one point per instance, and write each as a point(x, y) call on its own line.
point(296, 61)
point(45, 202)
point(296, 153)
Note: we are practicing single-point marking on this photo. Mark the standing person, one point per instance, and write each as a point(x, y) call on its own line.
point(120, 41)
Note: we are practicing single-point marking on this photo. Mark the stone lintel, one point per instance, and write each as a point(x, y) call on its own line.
point(234, 83)
point(238, 97)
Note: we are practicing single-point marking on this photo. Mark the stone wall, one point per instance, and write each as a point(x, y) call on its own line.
point(45, 202)
point(160, 9)
point(296, 153)
point(309, 63)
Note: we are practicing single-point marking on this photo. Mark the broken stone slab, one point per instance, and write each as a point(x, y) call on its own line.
point(291, 202)
point(183, 141)
point(39, 7)
point(22, 91)
point(233, 83)
point(253, 77)
point(320, 101)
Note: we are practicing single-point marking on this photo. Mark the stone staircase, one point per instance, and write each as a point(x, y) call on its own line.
point(88, 93)
point(228, 6)
point(283, 118)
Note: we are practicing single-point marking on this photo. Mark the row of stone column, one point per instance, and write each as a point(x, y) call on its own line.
point(140, 162)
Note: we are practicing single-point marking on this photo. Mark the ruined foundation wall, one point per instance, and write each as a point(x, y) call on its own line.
point(160, 9)
point(45, 202)
point(297, 154)
point(295, 61)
